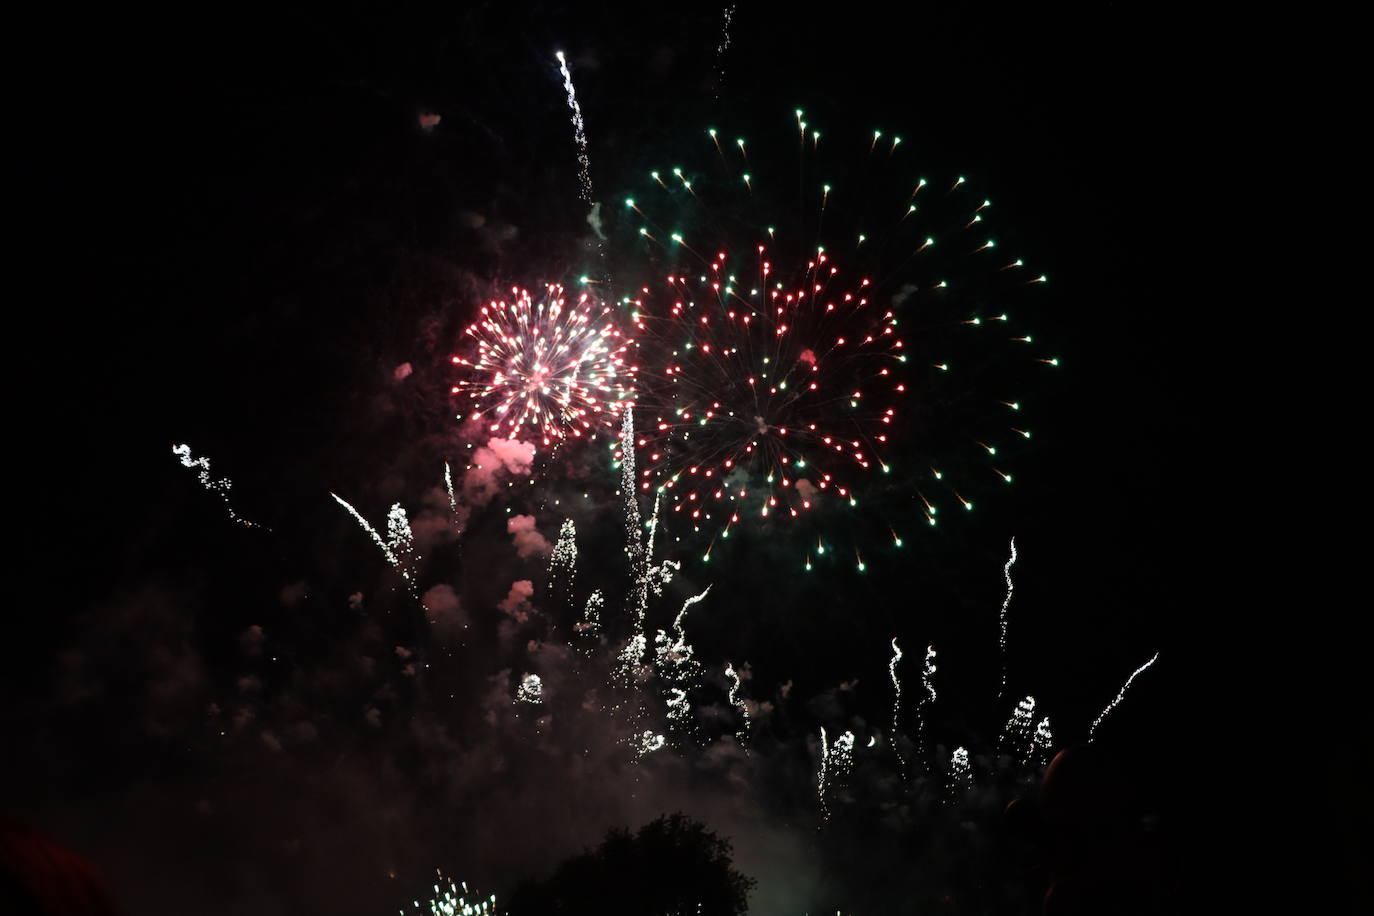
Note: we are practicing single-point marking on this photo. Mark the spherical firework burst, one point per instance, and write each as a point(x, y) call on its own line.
point(801, 338)
point(547, 368)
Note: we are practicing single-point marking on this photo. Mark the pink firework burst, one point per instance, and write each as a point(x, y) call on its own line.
point(545, 368)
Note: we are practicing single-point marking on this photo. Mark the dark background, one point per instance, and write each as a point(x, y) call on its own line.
point(238, 231)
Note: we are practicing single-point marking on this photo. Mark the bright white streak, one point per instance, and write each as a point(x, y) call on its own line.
point(896, 699)
point(1006, 572)
point(736, 702)
point(221, 486)
point(928, 696)
point(448, 484)
point(1121, 693)
point(584, 176)
point(398, 546)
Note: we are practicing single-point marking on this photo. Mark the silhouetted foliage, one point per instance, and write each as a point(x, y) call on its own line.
point(673, 866)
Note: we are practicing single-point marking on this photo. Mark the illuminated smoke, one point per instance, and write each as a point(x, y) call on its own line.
point(584, 163)
point(221, 487)
point(1121, 693)
point(1042, 742)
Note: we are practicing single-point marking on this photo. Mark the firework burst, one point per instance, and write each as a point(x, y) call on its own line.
point(799, 341)
point(545, 368)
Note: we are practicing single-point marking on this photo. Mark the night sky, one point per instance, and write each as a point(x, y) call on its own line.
point(243, 231)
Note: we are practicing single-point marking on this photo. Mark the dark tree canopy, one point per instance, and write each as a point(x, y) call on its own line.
point(673, 866)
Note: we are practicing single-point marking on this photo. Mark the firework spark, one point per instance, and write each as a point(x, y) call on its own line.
point(1016, 736)
point(960, 775)
point(836, 760)
point(555, 367)
point(221, 487)
point(1120, 694)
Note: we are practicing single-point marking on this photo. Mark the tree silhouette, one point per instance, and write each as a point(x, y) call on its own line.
point(673, 866)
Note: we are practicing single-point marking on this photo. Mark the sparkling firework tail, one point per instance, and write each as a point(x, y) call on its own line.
point(742, 734)
point(896, 703)
point(220, 487)
point(584, 162)
point(927, 697)
point(1002, 618)
point(1119, 696)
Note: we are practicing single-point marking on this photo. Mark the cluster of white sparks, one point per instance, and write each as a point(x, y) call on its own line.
point(220, 486)
point(531, 690)
point(450, 899)
point(584, 162)
point(1120, 694)
point(960, 775)
point(927, 697)
point(1016, 736)
point(896, 700)
point(399, 544)
point(836, 760)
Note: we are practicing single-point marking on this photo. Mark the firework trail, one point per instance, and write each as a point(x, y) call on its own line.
point(221, 487)
point(896, 701)
point(398, 546)
point(452, 500)
point(927, 697)
point(774, 363)
point(546, 365)
point(1120, 694)
point(1002, 641)
point(738, 704)
point(677, 665)
point(584, 162)
point(449, 901)
point(563, 562)
point(723, 47)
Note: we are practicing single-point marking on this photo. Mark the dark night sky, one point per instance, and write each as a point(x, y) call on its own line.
point(242, 231)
